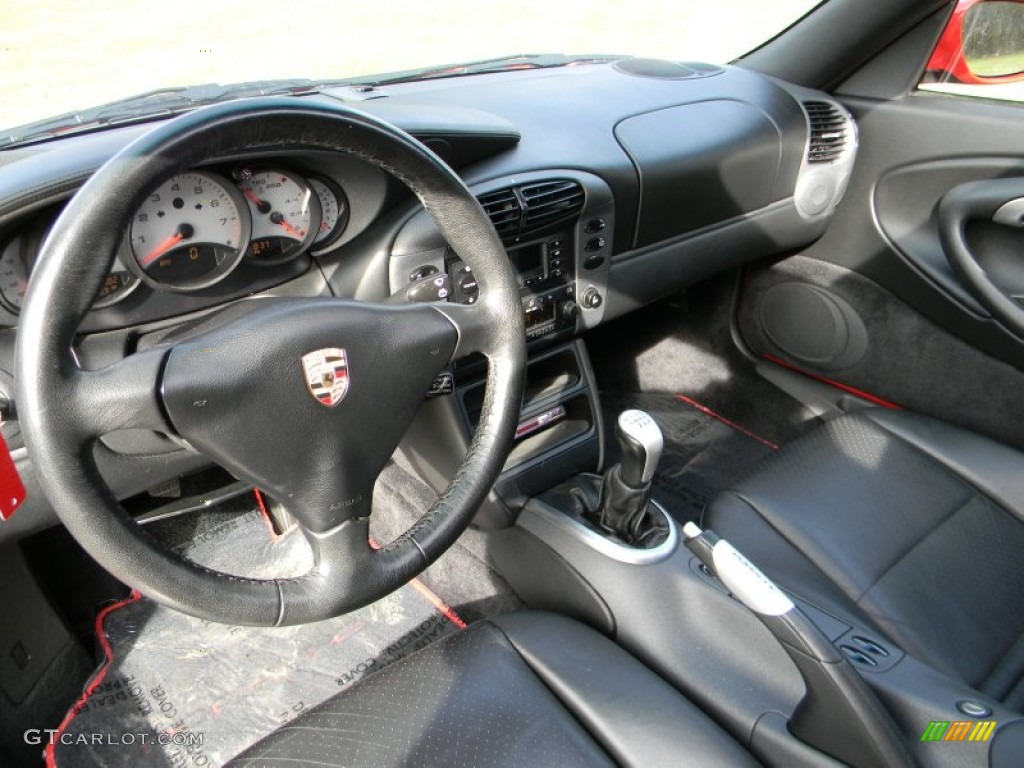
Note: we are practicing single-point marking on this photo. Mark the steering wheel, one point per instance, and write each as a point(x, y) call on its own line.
point(239, 392)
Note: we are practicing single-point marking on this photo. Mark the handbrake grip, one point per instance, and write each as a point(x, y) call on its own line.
point(839, 714)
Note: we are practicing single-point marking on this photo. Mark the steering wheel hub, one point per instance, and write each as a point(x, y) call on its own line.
point(240, 394)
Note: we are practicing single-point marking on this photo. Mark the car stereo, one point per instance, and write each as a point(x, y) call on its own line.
point(546, 273)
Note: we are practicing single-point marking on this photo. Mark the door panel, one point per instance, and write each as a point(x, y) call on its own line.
point(906, 203)
point(930, 345)
point(912, 151)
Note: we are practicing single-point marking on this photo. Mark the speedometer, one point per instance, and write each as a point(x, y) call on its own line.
point(285, 214)
point(190, 233)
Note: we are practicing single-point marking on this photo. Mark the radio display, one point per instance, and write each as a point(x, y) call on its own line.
point(528, 261)
point(539, 315)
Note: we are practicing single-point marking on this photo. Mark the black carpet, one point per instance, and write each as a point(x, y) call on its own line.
point(678, 361)
point(910, 360)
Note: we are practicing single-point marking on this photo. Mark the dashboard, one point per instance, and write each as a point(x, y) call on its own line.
point(197, 227)
point(610, 185)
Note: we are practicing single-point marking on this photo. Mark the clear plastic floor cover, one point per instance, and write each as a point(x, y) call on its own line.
point(179, 691)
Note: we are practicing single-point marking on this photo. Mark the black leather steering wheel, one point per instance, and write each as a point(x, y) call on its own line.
point(237, 391)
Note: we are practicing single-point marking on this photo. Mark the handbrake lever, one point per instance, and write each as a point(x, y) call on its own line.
point(839, 714)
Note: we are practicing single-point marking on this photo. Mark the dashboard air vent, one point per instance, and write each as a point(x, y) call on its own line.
point(829, 131)
point(504, 210)
point(549, 201)
point(517, 210)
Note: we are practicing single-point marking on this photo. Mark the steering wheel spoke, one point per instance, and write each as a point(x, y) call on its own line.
point(473, 323)
point(124, 395)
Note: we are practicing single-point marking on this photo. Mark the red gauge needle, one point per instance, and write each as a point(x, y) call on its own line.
point(279, 219)
point(261, 205)
point(183, 232)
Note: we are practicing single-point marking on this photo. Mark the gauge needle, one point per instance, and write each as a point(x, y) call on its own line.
point(183, 232)
point(261, 205)
point(279, 219)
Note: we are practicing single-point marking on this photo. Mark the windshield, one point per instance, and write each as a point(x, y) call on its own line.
point(62, 56)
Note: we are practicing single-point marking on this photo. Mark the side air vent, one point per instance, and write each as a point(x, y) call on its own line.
point(518, 210)
point(504, 210)
point(829, 131)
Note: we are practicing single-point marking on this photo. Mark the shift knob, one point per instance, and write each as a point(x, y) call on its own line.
point(640, 441)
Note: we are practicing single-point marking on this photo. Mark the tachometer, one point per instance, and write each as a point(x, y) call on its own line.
point(190, 233)
point(285, 214)
point(334, 211)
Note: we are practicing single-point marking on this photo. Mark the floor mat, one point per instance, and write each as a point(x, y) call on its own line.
point(179, 691)
point(704, 452)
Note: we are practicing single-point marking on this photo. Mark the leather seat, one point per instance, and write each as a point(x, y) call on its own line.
point(524, 689)
point(903, 523)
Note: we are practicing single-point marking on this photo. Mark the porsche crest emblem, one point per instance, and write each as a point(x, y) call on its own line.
point(326, 375)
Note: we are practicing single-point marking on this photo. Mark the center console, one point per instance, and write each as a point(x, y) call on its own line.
point(557, 227)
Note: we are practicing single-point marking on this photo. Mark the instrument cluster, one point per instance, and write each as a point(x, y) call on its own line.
point(196, 227)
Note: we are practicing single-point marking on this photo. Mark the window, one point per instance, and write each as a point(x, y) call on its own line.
point(59, 56)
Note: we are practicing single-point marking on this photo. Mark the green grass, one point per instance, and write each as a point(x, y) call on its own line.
point(997, 66)
point(60, 56)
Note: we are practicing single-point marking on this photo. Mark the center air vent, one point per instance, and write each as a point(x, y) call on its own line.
point(517, 210)
point(829, 131)
point(504, 210)
point(550, 201)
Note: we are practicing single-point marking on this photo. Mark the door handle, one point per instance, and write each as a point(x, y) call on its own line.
point(1000, 201)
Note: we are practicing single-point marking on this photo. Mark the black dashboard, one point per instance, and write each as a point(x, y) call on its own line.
point(611, 186)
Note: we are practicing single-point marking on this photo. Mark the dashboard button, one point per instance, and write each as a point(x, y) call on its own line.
point(593, 262)
point(594, 225)
point(594, 244)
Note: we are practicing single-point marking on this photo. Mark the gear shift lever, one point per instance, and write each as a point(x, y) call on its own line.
point(641, 442)
point(626, 487)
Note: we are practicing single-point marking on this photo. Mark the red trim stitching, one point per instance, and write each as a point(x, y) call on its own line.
point(108, 652)
point(838, 385)
point(734, 425)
